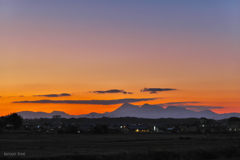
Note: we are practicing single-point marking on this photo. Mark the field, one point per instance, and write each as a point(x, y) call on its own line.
point(119, 146)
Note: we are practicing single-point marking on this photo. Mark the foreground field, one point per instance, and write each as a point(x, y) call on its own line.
point(119, 146)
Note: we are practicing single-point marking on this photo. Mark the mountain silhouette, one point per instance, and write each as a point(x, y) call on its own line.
point(129, 110)
point(32, 115)
point(126, 110)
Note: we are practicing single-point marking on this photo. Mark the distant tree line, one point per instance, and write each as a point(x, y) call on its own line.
point(12, 120)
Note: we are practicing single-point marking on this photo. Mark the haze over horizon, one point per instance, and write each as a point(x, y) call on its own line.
point(92, 56)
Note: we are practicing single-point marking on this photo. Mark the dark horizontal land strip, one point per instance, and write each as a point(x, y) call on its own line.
point(121, 146)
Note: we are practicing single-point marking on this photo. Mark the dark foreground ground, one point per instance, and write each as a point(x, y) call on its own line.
point(120, 146)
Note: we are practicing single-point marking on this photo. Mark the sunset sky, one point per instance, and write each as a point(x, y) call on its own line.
point(82, 56)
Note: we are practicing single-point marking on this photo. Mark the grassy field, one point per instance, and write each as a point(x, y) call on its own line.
point(119, 146)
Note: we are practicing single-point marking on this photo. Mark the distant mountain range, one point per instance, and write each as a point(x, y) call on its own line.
point(129, 110)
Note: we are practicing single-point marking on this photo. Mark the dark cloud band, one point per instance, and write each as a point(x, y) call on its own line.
point(111, 91)
point(97, 102)
point(155, 90)
point(189, 107)
point(54, 95)
point(199, 108)
point(181, 103)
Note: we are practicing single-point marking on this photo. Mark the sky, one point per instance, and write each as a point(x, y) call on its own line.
point(93, 56)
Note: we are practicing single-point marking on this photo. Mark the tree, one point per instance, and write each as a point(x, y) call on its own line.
point(233, 120)
point(14, 119)
point(2, 123)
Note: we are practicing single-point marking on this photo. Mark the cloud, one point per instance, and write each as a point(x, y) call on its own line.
point(175, 103)
point(189, 107)
point(155, 90)
point(199, 108)
point(97, 102)
point(15, 96)
point(54, 95)
point(111, 91)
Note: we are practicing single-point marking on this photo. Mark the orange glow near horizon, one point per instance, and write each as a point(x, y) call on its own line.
point(215, 97)
point(229, 103)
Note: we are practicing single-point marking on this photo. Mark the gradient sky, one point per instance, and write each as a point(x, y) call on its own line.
point(81, 46)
